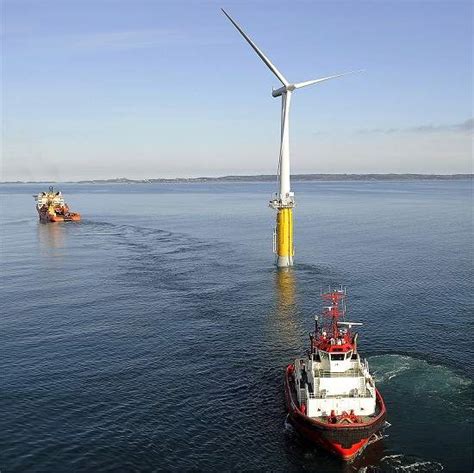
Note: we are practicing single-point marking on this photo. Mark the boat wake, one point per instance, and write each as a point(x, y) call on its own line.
point(387, 367)
point(287, 425)
point(423, 379)
point(422, 398)
point(402, 463)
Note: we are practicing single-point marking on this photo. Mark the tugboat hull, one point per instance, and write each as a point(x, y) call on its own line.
point(345, 441)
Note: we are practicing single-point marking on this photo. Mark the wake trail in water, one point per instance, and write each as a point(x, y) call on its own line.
point(399, 463)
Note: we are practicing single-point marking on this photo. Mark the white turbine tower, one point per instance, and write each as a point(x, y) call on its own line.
point(284, 201)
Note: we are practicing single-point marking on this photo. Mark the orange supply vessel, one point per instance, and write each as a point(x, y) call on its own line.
point(52, 208)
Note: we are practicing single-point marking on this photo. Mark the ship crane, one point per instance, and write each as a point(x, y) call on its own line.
point(284, 200)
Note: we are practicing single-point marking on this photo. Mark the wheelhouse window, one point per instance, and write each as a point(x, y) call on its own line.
point(348, 355)
point(337, 356)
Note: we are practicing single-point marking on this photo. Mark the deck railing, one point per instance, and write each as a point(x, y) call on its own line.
point(367, 394)
point(350, 373)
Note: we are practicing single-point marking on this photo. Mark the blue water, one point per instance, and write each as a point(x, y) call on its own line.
point(153, 335)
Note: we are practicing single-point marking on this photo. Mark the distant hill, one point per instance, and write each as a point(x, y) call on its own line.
point(272, 178)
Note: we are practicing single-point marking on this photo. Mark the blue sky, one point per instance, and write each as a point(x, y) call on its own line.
point(111, 88)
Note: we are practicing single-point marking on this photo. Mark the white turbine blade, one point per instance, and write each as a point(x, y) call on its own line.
point(316, 81)
point(262, 56)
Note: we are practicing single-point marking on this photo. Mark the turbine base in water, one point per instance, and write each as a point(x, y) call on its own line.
point(283, 244)
point(284, 261)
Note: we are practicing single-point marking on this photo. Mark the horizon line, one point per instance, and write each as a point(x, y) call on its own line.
point(254, 177)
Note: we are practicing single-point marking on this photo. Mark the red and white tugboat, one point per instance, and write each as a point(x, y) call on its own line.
point(330, 395)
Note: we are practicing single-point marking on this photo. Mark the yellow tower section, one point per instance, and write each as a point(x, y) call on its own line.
point(284, 247)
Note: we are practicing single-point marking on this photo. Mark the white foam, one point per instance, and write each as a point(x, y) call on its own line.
point(402, 463)
point(287, 425)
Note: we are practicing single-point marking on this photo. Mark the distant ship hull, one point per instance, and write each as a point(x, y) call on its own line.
point(345, 441)
point(45, 217)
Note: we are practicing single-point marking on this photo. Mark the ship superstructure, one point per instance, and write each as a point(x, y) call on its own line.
point(330, 393)
point(51, 207)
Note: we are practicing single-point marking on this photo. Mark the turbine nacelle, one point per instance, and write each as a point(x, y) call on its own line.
point(283, 90)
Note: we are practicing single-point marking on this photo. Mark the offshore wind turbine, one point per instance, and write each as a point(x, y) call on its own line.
point(284, 201)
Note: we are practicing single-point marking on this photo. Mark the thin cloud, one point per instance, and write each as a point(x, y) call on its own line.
point(466, 126)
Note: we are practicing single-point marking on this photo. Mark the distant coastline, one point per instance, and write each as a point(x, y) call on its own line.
point(267, 178)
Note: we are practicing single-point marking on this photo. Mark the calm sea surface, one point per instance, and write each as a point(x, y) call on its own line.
point(153, 335)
